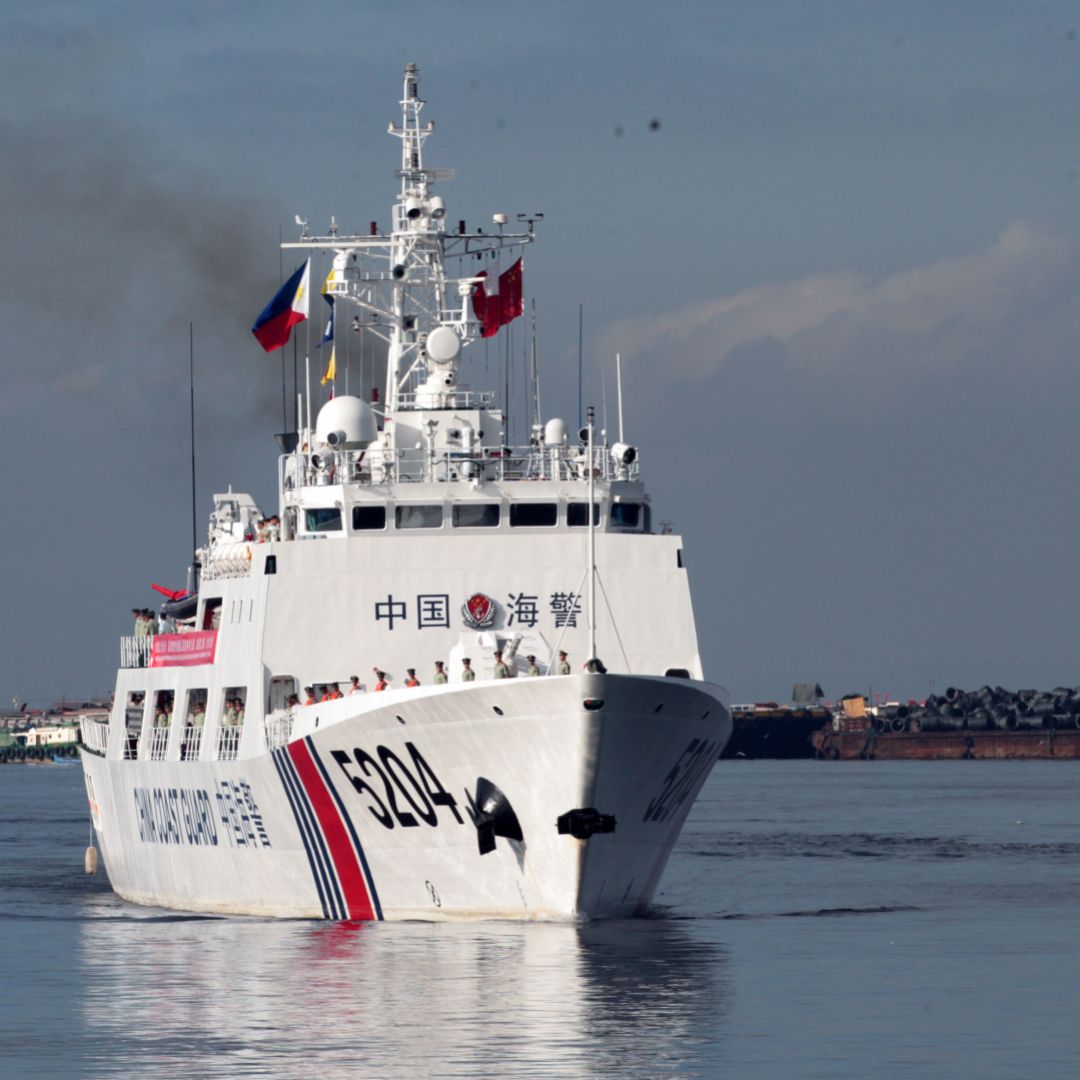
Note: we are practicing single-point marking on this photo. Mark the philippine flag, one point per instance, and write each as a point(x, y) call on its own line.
point(289, 307)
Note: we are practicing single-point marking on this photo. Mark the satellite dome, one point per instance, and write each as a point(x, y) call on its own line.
point(346, 423)
point(442, 345)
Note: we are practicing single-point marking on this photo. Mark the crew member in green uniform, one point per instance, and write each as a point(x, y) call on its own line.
point(467, 673)
point(501, 670)
point(532, 669)
point(440, 674)
point(564, 664)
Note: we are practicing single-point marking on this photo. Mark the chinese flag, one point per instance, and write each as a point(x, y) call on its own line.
point(497, 308)
point(511, 303)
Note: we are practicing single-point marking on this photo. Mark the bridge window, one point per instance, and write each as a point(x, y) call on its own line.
point(323, 519)
point(476, 515)
point(368, 517)
point(625, 515)
point(419, 516)
point(577, 514)
point(533, 515)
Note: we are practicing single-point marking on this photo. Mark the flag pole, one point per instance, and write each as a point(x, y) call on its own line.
point(281, 276)
point(307, 374)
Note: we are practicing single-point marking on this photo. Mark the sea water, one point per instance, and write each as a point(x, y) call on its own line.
point(870, 919)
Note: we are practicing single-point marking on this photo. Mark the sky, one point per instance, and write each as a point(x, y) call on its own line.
point(835, 244)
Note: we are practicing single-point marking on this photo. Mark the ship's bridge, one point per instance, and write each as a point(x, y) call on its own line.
point(448, 466)
point(337, 510)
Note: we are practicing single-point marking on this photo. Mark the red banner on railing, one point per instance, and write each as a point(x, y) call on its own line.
point(183, 650)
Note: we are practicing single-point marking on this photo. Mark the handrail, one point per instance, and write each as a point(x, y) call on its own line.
point(135, 651)
point(228, 743)
point(381, 465)
point(94, 734)
point(278, 729)
point(157, 742)
point(190, 743)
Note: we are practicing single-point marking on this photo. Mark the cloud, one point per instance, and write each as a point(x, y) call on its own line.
point(1013, 304)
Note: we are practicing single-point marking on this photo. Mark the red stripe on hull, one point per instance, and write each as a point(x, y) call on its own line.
point(346, 864)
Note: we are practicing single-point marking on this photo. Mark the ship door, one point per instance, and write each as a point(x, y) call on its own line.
point(281, 687)
point(212, 614)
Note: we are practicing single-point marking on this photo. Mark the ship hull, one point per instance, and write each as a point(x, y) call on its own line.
point(378, 809)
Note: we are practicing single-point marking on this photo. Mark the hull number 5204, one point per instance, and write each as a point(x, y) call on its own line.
point(396, 793)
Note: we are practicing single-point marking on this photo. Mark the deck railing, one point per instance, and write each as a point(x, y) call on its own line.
point(190, 743)
point(228, 743)
point(378, 465)
point(157, 743)
point(278, 730)
point(135, 651)
point(94, 734)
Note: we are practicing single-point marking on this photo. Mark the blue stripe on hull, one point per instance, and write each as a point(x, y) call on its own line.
point(315, 873)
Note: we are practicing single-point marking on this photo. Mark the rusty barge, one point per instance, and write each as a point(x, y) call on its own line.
point(990, 723)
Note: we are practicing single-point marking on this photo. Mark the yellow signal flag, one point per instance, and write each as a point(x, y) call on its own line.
point(331, 368)
point(332, 280)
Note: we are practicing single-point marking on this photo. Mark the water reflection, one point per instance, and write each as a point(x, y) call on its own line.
point(237, 997)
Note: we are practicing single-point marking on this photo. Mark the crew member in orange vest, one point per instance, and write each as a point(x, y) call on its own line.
point(310, 691)
point(412, 680)
point(381, 675)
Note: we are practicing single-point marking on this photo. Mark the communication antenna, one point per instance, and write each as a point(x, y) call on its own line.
point(536, 418)
point(618, 390)
point(603, 397)
point(580, 333)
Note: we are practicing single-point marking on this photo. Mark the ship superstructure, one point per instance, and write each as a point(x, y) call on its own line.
point(412, 534)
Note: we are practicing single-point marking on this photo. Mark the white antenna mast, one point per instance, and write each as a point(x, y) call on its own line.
point(618, 385)
point(536, 419)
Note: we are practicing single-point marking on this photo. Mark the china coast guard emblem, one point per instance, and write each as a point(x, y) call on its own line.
point(478, 611)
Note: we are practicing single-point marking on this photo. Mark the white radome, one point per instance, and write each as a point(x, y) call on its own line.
point(443, 345)
point(351, 415)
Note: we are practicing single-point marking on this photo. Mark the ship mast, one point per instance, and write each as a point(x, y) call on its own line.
point(399, 281)
point(416, 217)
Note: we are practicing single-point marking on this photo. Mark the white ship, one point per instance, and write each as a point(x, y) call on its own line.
point(412, 532)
